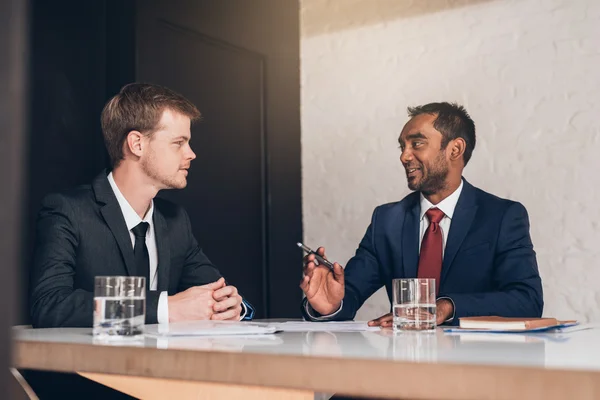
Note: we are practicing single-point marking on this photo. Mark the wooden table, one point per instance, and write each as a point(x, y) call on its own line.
point(296, 365)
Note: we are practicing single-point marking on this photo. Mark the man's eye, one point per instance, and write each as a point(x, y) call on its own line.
point(417, 144)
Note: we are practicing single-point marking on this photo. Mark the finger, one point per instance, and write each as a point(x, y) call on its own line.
point(384, 318)
point(226, 304)
point(338, 272)
point(321, 252)
point(215, 285)
point(304, 284)
point(313, 286)
point(386, 324)
point(233, 313)
point(309, 269)
point(224, 292)
point(309, 258)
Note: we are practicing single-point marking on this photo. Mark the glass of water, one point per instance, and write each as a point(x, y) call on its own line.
point(414, 304)
point(119, 306)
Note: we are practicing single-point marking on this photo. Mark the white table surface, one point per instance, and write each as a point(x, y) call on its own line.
point(579, 350)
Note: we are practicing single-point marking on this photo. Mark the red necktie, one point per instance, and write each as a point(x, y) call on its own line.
point(430, 259)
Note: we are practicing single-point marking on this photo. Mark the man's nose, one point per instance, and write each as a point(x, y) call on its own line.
point(191, 154)
point(406, 156)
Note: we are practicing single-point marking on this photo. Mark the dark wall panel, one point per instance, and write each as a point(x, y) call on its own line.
point(224, 194)
point(13, 63)
point(81, 53)
point(265, 30)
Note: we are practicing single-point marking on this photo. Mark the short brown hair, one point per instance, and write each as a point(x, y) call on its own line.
point(139, 107)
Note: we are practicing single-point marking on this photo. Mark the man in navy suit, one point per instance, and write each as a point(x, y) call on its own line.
point(477, 246)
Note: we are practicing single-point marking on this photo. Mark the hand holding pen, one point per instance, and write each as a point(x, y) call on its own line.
point(318, 259)
point(323, 282)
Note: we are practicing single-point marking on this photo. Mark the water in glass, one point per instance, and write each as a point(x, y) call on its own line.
point(414, 307)
point(119, 307)
point(414, 317)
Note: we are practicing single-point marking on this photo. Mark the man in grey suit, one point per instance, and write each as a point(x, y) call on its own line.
point(116, 226)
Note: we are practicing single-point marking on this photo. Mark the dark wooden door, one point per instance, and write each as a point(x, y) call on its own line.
point(238, 61)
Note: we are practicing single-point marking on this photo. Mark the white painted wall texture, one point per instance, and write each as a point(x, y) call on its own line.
point(528, 71)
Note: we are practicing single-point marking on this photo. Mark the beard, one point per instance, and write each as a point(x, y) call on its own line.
point(165, 181)
point(433, 178)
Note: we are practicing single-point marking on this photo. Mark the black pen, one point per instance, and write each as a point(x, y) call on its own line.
point(320, 259)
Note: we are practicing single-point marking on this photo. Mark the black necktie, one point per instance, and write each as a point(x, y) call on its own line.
point(140, 251)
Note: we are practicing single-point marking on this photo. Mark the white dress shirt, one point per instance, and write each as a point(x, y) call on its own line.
point(132, 219)
point(447, 206)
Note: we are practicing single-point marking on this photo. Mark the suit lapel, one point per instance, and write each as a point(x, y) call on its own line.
point(112, 214)
point(163, 247)
point(410, 240)
point(464, 213)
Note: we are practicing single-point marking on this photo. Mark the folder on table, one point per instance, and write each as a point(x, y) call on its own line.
point(506, 325)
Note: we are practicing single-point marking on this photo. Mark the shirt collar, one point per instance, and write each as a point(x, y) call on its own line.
point(447, 205)
point(132, 219)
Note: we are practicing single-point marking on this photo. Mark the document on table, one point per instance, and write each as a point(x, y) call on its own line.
point(333, 326)
point(225, 328)
point(208, 328)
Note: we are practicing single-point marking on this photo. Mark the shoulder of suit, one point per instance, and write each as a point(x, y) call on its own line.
point(77, 194)
point(74, 201)
point(487, 199)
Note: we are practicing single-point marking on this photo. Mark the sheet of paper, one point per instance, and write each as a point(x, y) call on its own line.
point(307, 326)
point(208, 328)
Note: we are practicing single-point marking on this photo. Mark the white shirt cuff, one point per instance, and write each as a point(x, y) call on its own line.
point(453, 308)
point(310, 312)
point(244, 311)
point(162, 314)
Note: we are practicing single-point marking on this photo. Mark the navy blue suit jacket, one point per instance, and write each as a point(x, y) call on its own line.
point(489, 265)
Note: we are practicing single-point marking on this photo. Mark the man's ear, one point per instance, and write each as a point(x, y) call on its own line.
point(134, 143)
point(457, 148)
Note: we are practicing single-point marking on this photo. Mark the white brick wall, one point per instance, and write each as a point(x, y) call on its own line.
point(528, 71)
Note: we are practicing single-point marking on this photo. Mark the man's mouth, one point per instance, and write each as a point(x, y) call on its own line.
point(412, 172)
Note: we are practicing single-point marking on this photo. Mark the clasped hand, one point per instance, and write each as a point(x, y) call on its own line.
point(213, 301)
